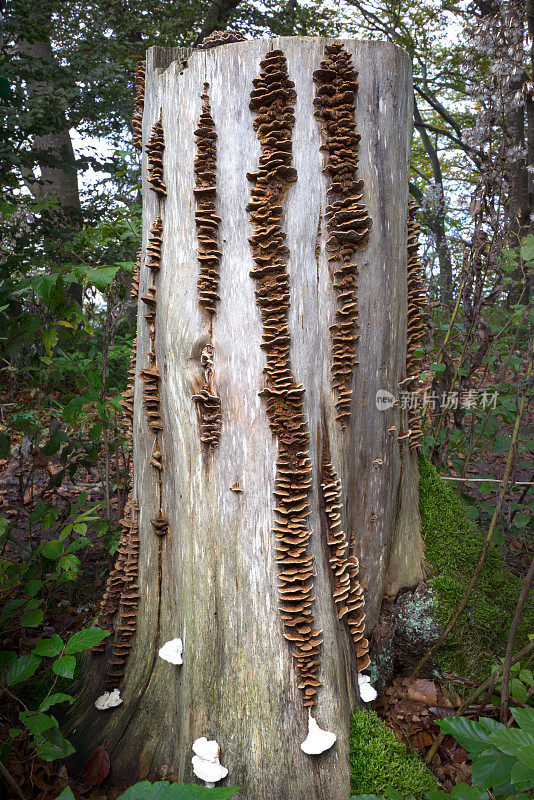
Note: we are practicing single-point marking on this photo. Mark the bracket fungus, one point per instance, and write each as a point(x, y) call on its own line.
point(172, 651)
point(217, 38)
point(417, 301)
point(206, 764)
point(139, 104)
point(347, 220)
point(108, 700)
point(208, 402)
point(154, 150)
point(347, 591)
point(367, 692)
point(317, 740)
point(272, 99)
point(207, 224)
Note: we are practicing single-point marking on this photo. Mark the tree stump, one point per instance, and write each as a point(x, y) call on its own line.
point(263, 466)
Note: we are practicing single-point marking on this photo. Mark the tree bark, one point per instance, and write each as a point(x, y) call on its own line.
point(212, 579)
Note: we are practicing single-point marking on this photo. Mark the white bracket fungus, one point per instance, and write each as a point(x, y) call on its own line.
point(172, 651)
point(109, 700)
point(206, 764)
point(367, 692)
point(317, 740)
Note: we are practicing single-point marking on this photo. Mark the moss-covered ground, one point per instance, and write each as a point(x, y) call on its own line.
point(453, 546)
point(378, 761)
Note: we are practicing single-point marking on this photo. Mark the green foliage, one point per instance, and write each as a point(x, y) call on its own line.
point(163, 790)
point(379, 761)
point(453, 546)
point(503, 761)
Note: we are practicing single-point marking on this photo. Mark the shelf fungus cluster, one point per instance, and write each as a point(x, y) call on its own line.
point(347, 220)
point(139, 104)
point(272, 99)
point(207, 224)
point(121, 595)
point(154, 151)
point(347, 591)
point(416, 325)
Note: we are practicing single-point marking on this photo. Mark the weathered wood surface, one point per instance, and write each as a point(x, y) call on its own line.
point(218, 589)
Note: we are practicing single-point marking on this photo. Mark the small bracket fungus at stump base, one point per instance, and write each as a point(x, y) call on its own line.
point(269, 586)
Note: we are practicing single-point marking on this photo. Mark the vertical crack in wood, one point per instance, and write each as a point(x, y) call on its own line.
point(139, 105)
point(207, 224)
point(347, 220)
point(272, 99)
point(347, 591)
point(417, 301)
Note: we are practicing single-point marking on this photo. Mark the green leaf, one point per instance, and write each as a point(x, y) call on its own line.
point(439, 368)
point(53, 549)
point(511, 739)
point(522, 776)
point(524, 717)
point(14, 732)
point(51, 745)
point(526, 754)
point(32, 586)
point(527, 677)
point(518, 690)
point(527, 249)
point(49, 647)
point(491, 769)
point(32, 618)
point(49, 340)
point(471, 735)
point(58, 697)
point(66, 794)
point(64, 666)
point(22, 669)
point(163, 790)
point(84, 640)
point(36, 721)
point(101, 277)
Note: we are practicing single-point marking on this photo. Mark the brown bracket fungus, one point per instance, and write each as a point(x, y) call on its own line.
point(417, 302)
point(207, 224)
point(347, 591)
point(139, 104)
point(347, 220)
point(272, 99)
point(154, 151)
point(217, 38)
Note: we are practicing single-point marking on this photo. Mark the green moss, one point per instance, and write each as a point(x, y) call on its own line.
point(378, 761)
point(453, 546)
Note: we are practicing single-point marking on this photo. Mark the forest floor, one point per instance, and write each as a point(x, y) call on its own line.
point(410, 706)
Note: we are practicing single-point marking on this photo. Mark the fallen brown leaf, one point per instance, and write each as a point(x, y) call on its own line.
point(97, 768)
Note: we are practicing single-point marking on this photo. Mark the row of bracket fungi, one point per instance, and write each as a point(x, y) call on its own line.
point(347, 220)
point(207, 225)
point(417, 301)
point(272, 99)
point(139, 105)
point(122, 592)
point(348, 593)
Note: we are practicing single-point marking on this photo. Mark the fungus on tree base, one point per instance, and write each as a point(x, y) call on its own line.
point(317, 740)
point(347, 591)
point(367, 692)
point(347, 220)
point(416, 324)
point(139, 104)
point(272, 99)
point(206, 764)
point(172, 651)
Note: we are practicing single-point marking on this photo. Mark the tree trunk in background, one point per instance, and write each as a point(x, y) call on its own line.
point(54, 154)
point(212, 579)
